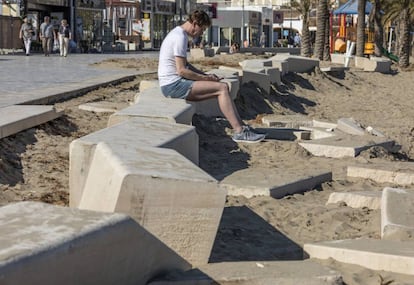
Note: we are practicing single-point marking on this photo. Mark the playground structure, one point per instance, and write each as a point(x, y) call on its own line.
point(343, 25)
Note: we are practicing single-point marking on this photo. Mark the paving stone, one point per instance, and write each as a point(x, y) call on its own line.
point(350, 126)
point(344, 146)
point(103, 107)
point(330, 69)
point(397, 214)
point(357, 199)
point(261, 273)
point(17, 118)
point(164, 192)
point(44, 244)
point(399, 173)
point(276, 183)
point(387, 255)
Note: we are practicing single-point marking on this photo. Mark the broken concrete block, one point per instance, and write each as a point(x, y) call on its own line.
point(350, 126)
point(399, 173)
point(148, 84)
point(44, 244)
point(255, 272)
point(274, 183)
point(261, 79)
point(397, 214)
point(285, 134)
point(255, 63)
point(357, 199)
point(374, 254)
point(164, 192)
point(134, 132)
point(344, 146)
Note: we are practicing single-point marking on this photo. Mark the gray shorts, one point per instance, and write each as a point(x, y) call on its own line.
point(178, 89)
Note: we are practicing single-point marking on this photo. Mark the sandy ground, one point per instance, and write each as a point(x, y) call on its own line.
point(34, 163)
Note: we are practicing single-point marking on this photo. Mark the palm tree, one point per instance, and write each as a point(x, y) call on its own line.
point(375, 19)
point(360, 44)
point(322, 14)
point(304, 6)
point(403, 12)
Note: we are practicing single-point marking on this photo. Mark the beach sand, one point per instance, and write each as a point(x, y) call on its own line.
point(34, 163)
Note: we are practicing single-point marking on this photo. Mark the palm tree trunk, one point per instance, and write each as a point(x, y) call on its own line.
point(321, 15)
point(404, 49)
point(360, 44)
point(327, 45)
point(305, 48)
point(378, 28)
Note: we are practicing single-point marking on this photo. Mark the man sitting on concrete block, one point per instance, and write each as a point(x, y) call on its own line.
point(179, 79)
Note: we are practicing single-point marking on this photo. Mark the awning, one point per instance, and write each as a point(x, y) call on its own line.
point(351, 7)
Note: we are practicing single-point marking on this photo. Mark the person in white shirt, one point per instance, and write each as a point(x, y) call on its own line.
point(26, 34)
point(179, 79)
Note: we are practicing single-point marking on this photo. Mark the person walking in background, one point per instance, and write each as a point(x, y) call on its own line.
point(297, 40)
point(179, 79)
point(47, 34)
point(262, 41)
point(26, 34)
point(65, 36)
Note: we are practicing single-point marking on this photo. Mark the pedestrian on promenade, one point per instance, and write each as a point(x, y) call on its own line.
point(26, 34)
point(179, 79)
point(65, 35)
point(47, 35)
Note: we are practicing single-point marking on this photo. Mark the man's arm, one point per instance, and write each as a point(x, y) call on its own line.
point(188, 71)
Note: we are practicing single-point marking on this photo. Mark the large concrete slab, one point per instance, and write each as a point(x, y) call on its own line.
point(399, 173)
point(344, 146)
point(285, 134)
point(257, 76)
point(260, 272)
point(276, 183)
point(131, 133)
point(357, 199)
point(152, 104)
point(374, 254)
point(397, 214)
point(163, 191)
point(17, 118)
point(44, 244)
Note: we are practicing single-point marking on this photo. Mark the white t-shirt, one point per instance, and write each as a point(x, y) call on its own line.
point(174, 44)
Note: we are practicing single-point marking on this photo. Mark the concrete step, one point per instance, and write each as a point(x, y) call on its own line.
point(399, 173)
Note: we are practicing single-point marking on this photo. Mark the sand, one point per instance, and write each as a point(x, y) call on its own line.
point(34, 163)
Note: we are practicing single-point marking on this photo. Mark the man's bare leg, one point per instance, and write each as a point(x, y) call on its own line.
point(203, 90)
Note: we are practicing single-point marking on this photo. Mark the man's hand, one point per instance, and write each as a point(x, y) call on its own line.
point(213, 77)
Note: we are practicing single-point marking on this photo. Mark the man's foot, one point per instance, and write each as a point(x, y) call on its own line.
point(248, 135)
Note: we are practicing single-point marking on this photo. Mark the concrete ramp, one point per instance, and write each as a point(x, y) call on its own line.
point(17, 118)
point(44, 244)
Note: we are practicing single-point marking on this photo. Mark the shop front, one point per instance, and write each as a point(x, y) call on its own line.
point(88, 22)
